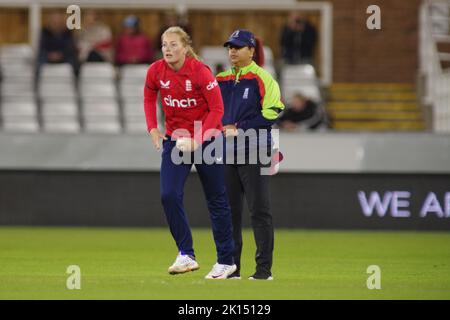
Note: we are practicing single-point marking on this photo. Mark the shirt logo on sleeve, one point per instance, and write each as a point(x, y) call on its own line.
point(188, 85)
point(212, 85)
point(165, 85)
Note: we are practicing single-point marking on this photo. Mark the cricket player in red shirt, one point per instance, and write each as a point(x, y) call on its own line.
point(188, 92)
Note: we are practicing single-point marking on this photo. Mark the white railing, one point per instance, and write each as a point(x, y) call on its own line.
point(434, 28)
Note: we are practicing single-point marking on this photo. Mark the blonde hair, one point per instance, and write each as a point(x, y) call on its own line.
point(185, 40)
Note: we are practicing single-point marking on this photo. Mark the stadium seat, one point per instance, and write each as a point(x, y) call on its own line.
point(53, 89)
point(133, 72)
point(101, 115)
point(99, 107)
point(102, 125)
point(14, 87)
point(20, 124)
point(134, 116)
point(17, 69)
point(302, 71)
point(97, 80)
point(271, 70)
point(135, 124)
point(132, 78)
point(214, 55)
point(99, 98)
point(19, 113)
point(59, 107)
point(97, 70)
point(302, 79)
point(61, 124)
point(103, 89)
point(60, 71)
point(268, 54)
point(131, 91)
point(15, 109)
point(56, 80)
point(17, 88)
point(310, 91)
point(16, 52)
point(269, 64)
point(133, 108)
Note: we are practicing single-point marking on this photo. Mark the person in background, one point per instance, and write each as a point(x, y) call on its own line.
point(57, 43)
point(298, 40)
point(301, 112)
point(133, 46)
point(95, 40)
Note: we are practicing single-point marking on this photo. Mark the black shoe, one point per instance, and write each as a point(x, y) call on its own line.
point(235, 275)
point(261, 276)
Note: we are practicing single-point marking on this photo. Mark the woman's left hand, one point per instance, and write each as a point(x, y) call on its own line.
point(230, 130)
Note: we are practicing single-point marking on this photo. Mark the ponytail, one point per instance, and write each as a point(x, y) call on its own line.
point(191, 53)
point(258, 56)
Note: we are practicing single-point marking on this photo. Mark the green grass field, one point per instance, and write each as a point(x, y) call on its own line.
point(132, 264)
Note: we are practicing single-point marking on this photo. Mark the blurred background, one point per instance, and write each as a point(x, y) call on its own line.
point(366, 132)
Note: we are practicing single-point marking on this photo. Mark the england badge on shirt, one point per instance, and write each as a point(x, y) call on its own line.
point(188, 85)
point(245, 96)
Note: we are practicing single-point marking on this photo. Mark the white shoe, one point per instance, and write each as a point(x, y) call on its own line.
point(254, 278)
point(182, 264)
point(221, 271)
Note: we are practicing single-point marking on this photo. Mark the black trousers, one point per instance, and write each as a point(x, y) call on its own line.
point(246, 180)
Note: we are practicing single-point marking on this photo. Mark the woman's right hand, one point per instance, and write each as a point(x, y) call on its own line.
point(156, 135)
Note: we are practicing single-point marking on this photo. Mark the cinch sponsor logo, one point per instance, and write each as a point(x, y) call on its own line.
point(183, 103)
point(212, 85)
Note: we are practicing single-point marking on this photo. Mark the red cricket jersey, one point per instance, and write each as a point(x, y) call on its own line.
point(187, 95)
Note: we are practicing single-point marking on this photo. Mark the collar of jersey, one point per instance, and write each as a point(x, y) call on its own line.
point(242, 71)
point(184, 67)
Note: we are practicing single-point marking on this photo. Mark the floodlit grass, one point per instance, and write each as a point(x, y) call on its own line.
point(132, 264)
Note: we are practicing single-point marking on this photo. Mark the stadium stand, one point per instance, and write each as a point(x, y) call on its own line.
point(99, 99)
point(18, 100)
point(131, 91)
point(58, 98)
point(364, 96)
point(375, 106)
